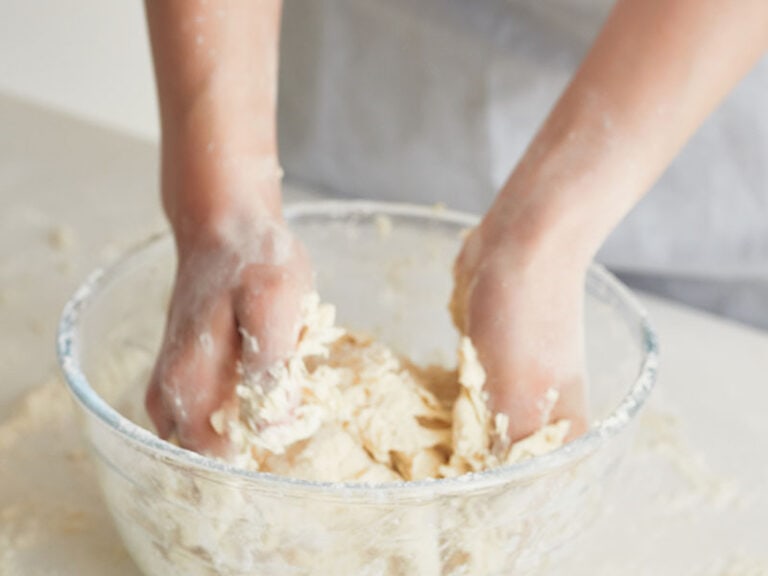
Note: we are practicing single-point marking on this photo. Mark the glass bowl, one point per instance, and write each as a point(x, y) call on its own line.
point(387, 267)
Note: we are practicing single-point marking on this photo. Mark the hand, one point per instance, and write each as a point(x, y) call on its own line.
point(519, 297)
point(241, 274)
point(236, 299)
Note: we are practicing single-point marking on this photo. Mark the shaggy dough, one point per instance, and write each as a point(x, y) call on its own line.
point(347, 408)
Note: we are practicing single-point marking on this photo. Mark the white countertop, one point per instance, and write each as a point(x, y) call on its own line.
point(73, 194)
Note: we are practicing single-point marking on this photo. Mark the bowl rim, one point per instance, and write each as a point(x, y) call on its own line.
point(68, 340)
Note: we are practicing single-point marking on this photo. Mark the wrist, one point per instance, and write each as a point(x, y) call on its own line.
point(217, 162)
point(540, 222)
point(223, 232)
point(563, 198)
point(582, 173)
point(204, 192)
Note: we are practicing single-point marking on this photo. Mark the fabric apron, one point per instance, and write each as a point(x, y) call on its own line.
point(435, 100)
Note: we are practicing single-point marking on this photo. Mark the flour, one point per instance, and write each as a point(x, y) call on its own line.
point(52, 518)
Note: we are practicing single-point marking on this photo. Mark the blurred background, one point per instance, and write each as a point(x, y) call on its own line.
point(433, 101)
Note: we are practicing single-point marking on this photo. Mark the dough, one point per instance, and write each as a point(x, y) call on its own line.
point(347, 408)
point(343, 408)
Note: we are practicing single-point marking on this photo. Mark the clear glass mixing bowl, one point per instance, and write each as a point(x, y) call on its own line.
point(387, 269)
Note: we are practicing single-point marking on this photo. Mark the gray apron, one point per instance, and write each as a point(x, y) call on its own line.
point(435, 100)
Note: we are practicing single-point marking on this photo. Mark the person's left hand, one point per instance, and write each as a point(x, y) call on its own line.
point(519, 295)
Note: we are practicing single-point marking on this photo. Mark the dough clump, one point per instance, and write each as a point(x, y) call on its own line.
point(346, 408)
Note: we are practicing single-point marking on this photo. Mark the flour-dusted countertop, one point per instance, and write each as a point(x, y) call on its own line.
point(72, 195)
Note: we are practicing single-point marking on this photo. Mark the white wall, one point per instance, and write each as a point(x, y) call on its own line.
point(88, 57)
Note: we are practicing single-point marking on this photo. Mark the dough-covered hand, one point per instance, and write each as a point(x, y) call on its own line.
point(241, 273)
point(235, 306)
point(655, 71)
point(520, 301)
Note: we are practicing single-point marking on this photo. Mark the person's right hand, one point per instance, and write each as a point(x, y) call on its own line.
point(236, 299)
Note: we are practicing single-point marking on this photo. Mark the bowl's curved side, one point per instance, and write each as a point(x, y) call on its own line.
point(600, 283)
point(182, 513)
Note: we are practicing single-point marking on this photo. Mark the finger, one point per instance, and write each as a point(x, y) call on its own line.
point(517, 382)
point(527, 389)
point(457, 304)
point(204, 378)
point(268, 312)
point(572, 406)
point(463, 267)
point(154, 400)
point(515, 385)
point(155, 405)
point(518, 395)
point(194, 376)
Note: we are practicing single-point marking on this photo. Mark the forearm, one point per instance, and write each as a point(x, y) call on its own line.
point(216, 72)
point(657, 69)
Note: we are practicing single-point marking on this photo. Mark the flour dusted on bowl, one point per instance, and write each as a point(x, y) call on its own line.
point(345, 407)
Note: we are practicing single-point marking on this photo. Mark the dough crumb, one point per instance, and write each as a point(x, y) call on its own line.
point(383, 225)
point(61, 238)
